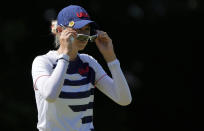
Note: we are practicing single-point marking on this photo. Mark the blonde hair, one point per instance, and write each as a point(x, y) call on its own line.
point(54, 32)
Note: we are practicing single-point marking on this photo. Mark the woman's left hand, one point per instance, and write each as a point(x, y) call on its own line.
point(105, 46)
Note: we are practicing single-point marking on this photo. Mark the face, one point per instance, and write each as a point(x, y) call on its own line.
point(84, 30)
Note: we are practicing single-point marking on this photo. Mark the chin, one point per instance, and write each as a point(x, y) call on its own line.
point(82, 48)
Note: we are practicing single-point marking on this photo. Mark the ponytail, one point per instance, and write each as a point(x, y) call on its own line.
point(54, 32)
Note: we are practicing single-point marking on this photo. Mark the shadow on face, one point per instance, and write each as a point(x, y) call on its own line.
point(84, 30)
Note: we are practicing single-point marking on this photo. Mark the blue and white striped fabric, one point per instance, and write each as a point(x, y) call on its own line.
point(73, 109)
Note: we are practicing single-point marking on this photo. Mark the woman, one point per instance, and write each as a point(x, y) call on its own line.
point(64, 80)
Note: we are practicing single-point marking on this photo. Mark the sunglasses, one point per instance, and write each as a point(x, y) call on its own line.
point(83, 37)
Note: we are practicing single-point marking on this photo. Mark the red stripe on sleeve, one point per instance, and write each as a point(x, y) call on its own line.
point(100, 79)
point(36, 81)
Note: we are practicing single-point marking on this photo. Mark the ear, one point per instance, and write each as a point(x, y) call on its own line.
point(59, 29)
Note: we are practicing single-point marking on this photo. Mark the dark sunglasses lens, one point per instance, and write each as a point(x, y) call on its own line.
point(83, 37)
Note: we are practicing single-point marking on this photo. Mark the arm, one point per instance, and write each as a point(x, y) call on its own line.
point(116, 87)
point(49, 83)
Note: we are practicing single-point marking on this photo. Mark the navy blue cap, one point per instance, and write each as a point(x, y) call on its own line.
point(74, 16)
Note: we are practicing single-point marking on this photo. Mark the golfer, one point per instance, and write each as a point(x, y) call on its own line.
point(64, 79)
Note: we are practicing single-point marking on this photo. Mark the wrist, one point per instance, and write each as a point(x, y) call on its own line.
point(110, 58)
point(113, 63)
point(64, 57)
point(63, 50)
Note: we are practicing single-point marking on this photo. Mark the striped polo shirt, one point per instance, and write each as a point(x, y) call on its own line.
point(73, 109)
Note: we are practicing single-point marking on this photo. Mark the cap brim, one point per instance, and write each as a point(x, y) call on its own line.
point(81, 23)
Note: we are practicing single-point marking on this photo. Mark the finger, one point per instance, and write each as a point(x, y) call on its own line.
point(98, 33)
point(70, 37)
point(68, 33)
point(71, 29)
point(101, 34)
point(104, 34)
point(72, 33)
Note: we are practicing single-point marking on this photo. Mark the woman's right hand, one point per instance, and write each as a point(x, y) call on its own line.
point(66, 40)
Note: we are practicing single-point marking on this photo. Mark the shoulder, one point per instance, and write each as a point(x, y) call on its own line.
point(40, 61)
point(87, 58)
point(40, 58)
point(91, 61)
point(47, 59)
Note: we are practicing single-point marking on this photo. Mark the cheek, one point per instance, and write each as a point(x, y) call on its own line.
point(81, 44)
